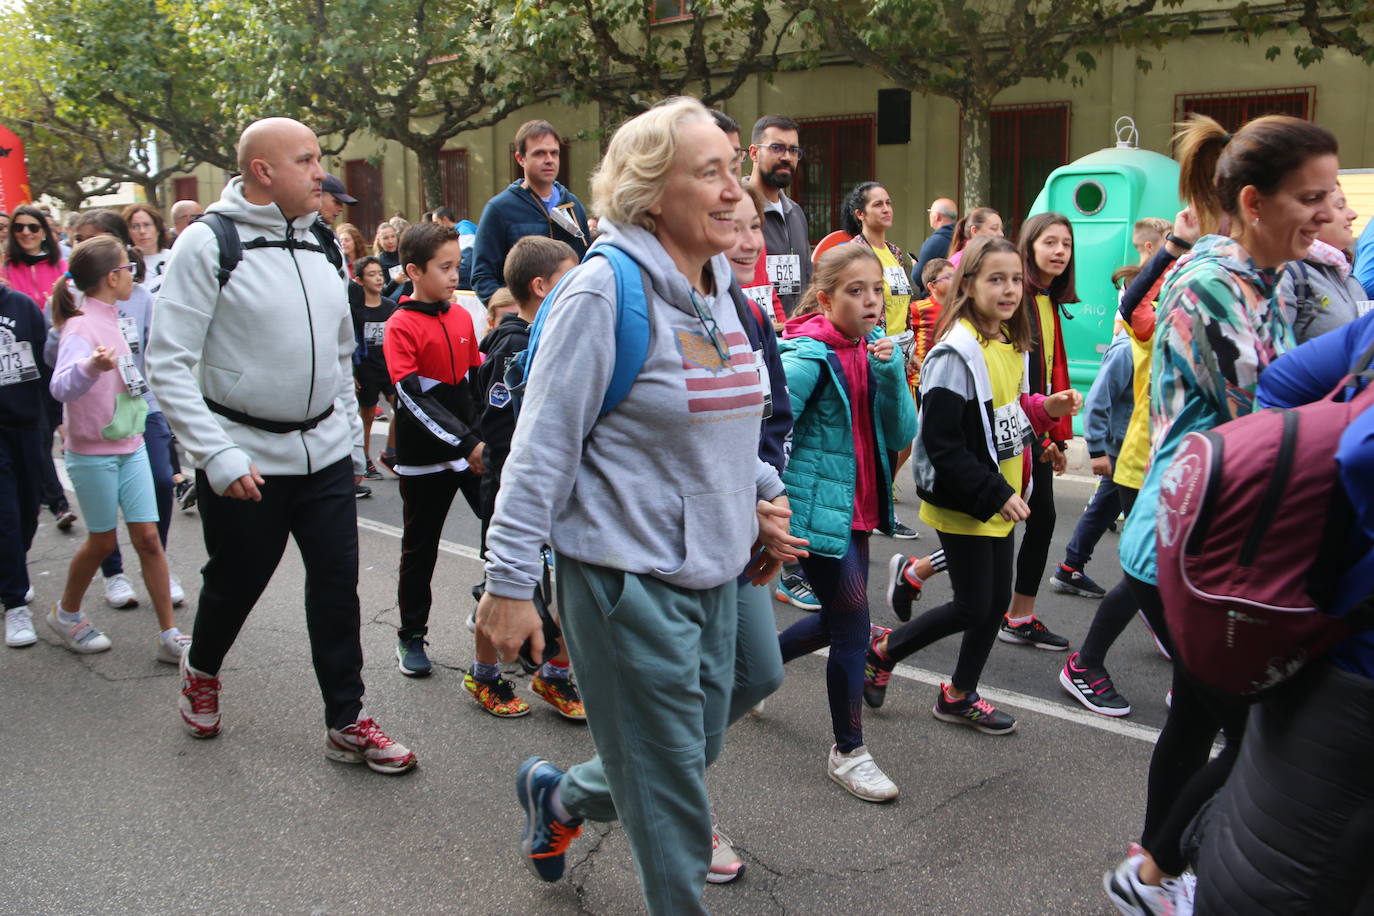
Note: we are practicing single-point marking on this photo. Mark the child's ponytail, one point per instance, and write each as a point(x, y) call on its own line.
point(90, 262)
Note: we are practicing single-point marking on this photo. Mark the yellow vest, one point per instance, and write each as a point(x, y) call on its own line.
point(897, 303)
point(1005, 366)
point(1135, 447)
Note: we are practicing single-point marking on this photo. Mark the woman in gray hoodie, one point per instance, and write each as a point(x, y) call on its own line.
point(652, 508)
point(1319, 293)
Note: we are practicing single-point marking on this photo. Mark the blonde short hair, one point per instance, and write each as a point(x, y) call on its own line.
point(635, 168)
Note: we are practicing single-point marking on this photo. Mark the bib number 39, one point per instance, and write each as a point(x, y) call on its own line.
point(1011, 430)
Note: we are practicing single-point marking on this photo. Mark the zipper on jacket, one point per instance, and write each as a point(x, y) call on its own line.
point(310, 323)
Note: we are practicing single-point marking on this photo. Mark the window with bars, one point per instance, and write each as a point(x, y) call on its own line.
point(187, 188)
point(837, 155)
point(670, 10)
point(1028, 142)
point(1233, 109)
point(364, 181)
point(453, 181)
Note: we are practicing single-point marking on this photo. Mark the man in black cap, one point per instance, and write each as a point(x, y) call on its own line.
point(333, 196)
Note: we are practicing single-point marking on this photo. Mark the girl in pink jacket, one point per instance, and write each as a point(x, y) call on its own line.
point(98, 381)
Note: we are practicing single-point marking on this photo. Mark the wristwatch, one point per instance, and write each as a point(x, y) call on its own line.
point(1170, 237)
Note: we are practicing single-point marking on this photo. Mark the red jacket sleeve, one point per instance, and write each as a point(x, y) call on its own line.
point(399, 348)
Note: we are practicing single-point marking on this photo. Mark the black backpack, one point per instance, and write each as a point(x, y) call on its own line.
point(231, 247)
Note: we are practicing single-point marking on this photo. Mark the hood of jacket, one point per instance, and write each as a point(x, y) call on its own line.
point(233, 204)
point(510, 325)
point(1227, 253)
point(1328, 256)
point(667, 281)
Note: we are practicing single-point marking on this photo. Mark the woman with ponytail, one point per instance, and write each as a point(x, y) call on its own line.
point(102, 389)
point(1261, 197)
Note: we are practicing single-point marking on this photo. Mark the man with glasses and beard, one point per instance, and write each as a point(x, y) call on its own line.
point(776, 152)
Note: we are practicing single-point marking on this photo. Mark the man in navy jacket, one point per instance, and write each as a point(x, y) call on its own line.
point(535, 205)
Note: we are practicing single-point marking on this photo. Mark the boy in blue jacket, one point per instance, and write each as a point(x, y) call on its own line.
point(1106, 413)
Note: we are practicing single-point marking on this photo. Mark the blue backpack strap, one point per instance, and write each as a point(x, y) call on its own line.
point(631, 325)
point(631, 330)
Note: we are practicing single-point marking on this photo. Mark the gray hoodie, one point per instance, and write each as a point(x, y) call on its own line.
point(1319, 294)
point(276, 343)
point(665, 484)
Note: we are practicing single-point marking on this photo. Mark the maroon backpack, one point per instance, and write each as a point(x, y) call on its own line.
point(1252, 527)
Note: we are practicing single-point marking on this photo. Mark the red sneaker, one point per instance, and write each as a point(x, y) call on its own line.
point(365, 742)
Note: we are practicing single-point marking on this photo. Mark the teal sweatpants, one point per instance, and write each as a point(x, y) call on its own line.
point(655, 664)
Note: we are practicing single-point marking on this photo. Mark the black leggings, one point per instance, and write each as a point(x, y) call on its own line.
point(1182, 779)
point(1035, 541)
point(980, 574)
point(1115, 610)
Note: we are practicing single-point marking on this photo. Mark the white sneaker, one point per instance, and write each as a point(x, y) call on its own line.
point(28, 596)
point(726, 865)
point(178, 593)
point(171, 650)
point(1132, 897)
point(119, 592)
point(19, 628)
point(860, 776)
point(80, 637)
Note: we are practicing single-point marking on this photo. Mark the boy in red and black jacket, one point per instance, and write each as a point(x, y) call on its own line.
point(430, 348)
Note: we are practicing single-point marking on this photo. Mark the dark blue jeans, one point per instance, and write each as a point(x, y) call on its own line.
point(1102, 510)
point(157, 437)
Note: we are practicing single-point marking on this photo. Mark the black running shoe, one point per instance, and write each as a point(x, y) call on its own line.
point(900, 592)
point(1031, 633)
point(877, 673)
point(372, 473)
point(64, 516)
point(973, 711)
point(903, 533)
point(361, 492)
point(1093, 688)
point(1072, 581)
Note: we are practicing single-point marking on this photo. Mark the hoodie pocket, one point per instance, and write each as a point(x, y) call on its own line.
point(220, 384)
point(717, 531)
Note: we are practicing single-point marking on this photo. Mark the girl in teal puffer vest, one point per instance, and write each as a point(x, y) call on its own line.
point(853, 412)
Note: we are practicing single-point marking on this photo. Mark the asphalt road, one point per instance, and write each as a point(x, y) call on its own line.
point(112, 808)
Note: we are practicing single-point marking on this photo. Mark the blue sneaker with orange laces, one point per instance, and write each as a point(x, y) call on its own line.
point(546, 838)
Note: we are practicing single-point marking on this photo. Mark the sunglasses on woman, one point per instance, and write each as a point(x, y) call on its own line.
point(26, 227)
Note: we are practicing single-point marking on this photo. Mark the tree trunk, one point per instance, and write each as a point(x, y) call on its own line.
point(152, 193)
point(975, 173)
point(431, 178)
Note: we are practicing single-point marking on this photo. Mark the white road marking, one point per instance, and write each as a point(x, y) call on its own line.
point(1014, 700)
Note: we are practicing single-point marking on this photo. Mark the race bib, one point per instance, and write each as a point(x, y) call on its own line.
point(16, 363)
point(374, 332)
point(129, 328)
point(1361, 308)
point(784, 271)
point(898, 284)
point(133, 379)
point(762, 296)
point(766, 381)
point(1011, 430)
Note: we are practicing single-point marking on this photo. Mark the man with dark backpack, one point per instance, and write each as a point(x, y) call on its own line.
point(252, 359)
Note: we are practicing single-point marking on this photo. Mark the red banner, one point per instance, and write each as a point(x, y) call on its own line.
point(14, 172)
